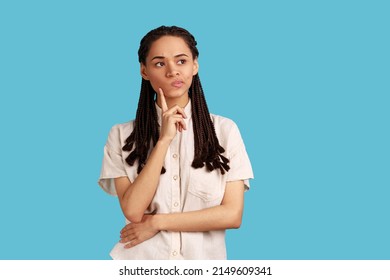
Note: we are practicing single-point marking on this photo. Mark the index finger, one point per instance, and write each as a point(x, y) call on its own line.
point(164, 105)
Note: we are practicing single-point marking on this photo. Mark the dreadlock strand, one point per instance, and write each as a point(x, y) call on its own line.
point(206, 147)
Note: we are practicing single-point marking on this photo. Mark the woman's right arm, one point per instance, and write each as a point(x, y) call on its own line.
point(135, 197)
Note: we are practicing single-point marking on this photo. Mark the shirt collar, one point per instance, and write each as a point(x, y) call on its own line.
point(187, 111)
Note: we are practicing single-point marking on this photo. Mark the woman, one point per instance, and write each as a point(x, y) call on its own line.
point(179, 172)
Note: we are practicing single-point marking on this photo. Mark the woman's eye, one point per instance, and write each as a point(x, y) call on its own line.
point(160, 64)
point(181, 61)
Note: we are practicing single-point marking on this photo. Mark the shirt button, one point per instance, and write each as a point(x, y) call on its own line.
point(174, 155)
point(175, 177)
point(174, 253)
point(176, 204)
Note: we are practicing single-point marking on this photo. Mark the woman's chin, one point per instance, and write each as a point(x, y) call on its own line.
point(176, 94)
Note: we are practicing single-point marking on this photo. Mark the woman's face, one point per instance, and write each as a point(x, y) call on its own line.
point(170, 66)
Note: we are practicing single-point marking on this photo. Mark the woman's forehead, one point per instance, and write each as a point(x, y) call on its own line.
point(169, 46)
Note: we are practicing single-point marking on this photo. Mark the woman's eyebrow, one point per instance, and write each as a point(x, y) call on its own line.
point(182, 54)
point(162, 57)
point(158, 57)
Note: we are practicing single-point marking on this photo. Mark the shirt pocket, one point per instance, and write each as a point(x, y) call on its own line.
point(206, 185)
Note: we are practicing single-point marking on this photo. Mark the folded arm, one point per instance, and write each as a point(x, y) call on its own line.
point(224, 216)
point(135, 197)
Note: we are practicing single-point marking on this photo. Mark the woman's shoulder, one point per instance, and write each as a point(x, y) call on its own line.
point(226, 129)
point(223, 123)
point(228, 133)
point(123, 127)
point(119, 132)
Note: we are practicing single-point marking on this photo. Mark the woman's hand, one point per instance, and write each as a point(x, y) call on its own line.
point(136, 233)
point(172, 119)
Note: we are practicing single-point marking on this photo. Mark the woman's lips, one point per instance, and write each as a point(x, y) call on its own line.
point(177, 84)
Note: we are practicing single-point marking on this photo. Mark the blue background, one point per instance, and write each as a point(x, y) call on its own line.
point(306, 81)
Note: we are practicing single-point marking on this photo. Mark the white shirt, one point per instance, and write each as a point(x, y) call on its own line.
point(181, 189)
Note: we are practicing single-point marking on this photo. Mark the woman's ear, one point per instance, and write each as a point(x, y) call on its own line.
point(143, 72)
point(195, 67)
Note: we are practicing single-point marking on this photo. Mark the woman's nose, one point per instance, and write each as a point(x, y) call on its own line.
point(172, 71)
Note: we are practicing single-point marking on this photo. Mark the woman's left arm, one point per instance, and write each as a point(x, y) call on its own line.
point(224, 216)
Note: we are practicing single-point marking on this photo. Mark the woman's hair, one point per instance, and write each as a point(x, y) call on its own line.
point(207, 150)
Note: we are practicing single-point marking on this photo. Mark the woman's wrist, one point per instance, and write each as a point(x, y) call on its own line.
point(157, 222)
point(164, 142)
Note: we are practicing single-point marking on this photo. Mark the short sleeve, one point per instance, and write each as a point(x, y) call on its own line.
point(240, 166)
point(112, 166)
